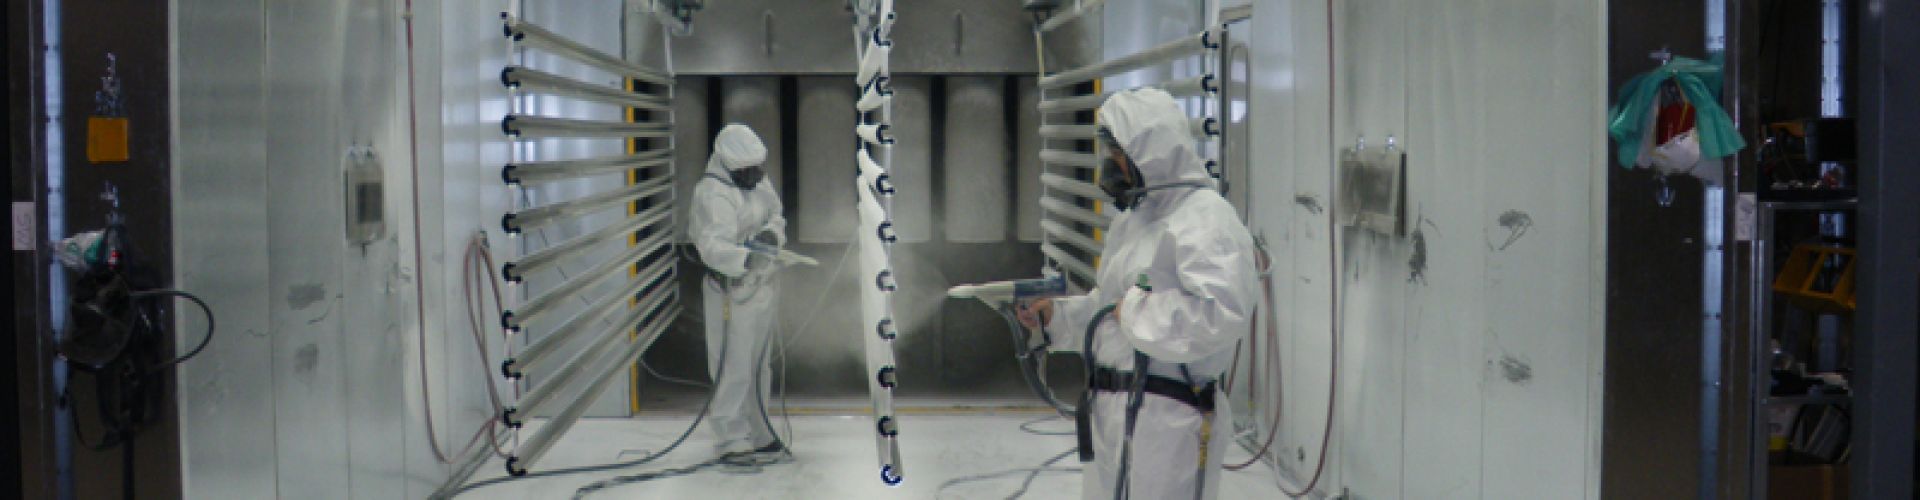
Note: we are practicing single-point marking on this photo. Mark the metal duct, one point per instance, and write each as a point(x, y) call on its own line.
point(1027, 162)
point(825, 201)
point(912, 167)
point(755, 102)
point(975, 161)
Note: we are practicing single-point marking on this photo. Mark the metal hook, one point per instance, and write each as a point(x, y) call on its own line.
point(1390, 143)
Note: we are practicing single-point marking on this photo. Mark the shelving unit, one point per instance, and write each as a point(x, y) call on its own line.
point(1763, 271)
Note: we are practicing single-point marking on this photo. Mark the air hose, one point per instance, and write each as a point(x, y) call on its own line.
point(1032, 364)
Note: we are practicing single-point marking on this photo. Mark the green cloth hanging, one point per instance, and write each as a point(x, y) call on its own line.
point(1701, 82)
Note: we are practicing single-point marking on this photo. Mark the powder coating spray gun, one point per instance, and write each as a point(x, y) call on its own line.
point(1005, 297)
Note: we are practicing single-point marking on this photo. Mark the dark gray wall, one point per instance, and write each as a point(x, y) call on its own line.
point(133, 30)
point(1652, 402)
point(1884, 333)
point(26, 443)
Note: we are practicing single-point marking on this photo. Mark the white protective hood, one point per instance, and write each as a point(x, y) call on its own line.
point(1155, 134)
point(736, 147)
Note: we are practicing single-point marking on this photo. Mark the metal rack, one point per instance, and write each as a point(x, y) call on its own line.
point(874, 204)
point(647, 305)
point(1759, 366)
point(1071, 218)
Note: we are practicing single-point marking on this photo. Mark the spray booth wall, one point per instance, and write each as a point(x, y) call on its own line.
point(313, 389)
point(1470, 356)
point(965, 166)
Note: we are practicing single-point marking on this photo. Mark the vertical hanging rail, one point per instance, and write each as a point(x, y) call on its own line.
point(876, 236)
point(648, 303)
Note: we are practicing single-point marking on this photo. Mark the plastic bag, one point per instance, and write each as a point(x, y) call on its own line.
point(1635, 111)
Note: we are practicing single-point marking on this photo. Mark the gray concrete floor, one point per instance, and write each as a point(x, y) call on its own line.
point(834, 457)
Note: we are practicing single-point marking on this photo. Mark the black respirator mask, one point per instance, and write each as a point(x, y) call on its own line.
point(1118, 180)
point(746, 178)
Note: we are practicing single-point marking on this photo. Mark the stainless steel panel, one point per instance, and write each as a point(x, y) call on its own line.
point(755, 102)
point(767, 37)
point(373, 403)
point(304, 283)
point(1237, 141)
point(976, 162)
point(458, 50)
point(226, 396)
point(826, 165)
point(963, 36)
point(912, 167)
point(1026, 204)
point(742, 37)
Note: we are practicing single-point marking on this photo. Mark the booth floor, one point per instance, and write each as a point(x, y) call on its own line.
point(834, 457)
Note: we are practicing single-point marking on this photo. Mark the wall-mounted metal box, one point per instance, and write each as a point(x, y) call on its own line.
point(1373, 190)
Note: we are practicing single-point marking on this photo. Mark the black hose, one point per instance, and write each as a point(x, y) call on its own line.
point(1135, 398)
point(704, 408)
point(1030, 366)
point(759, 364)
point(203, 308)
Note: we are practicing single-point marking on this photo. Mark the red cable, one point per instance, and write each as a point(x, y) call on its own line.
point(419, 269)
point(1333, 264)
point(1253, 383)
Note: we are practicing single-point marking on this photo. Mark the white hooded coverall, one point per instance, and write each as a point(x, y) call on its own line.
point(1198, 257)
point(724, 218)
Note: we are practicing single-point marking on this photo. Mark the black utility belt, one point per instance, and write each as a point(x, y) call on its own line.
point(1107, 379)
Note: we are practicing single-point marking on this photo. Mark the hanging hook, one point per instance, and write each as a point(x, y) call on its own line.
point(1665, 195)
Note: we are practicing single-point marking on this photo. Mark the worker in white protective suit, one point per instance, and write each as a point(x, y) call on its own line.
point(737, 228)
point(1177, 274)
